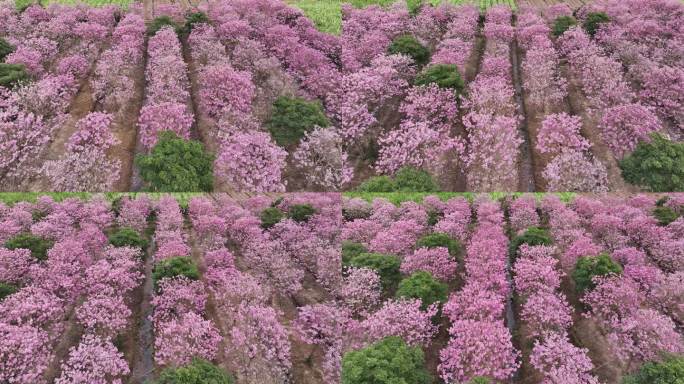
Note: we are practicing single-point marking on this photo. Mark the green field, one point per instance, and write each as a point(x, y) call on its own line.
point(399, 197)
point(327, 15)
point(93, 3)
point(11, 198)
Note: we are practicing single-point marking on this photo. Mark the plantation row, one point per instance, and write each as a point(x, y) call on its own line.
point(248, 96)
point(315, 288)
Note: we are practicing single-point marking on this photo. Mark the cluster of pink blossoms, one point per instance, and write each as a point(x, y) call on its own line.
point(167, 91)
point(479, 343)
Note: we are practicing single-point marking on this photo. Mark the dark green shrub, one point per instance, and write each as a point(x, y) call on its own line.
point(377, 184)
point(175, 266)
point(177, 165)
point(532, 236)
point(387, 267)
point(409, 46)
point(421, 285)
point(350, 250)
point(12, 75)
point(301, 212)
point(668, 371)
point(270, 217)
point(38, 215)
point(665, 215)
point(159, 23)
point(409, 179)
point(657, 165)
point(292, 118)
point(588, 267)
point(194, 18)
point(5, 49)
point(438, 239)
point(593, 22)
point(661, 202)
point(388, 361)
point(562, 24)
point(197, 372)
point(6, 290)
point(434, 217)
point(443, 75)
point(127, 237)
point(37, 245)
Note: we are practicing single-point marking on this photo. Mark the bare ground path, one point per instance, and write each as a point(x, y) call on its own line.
point(306, 359)
point(578, 105)
point(526, 173)
point(142, 360)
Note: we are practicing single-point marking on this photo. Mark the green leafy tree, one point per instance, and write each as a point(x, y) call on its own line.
point(388, 361)
point(5, 49)
point(588, 267)
point(409, 46)
point(292, 117)
point(377, 184)
point(177, 165)
point(197, 372)
point(387, 267)
point(301, 212)
point(434, 217)
point(127, 237)
point(668, 371)
point(665, 215)
point(421, 285)
point(37, 245)
point(12, 75)
point(350, 250)
point(175, 266)
point(657, 165)
point(159, 23)
point(593, 22)
point(443, 75)
point(562, 24)
point(409, 179)
point(532, 236)
point(270, 217)
point(438, 239)
point(6, 290)
point(194, 18)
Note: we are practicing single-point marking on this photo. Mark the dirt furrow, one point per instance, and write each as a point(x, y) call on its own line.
point(526, 173)
point(579, 106)
point(142, 360)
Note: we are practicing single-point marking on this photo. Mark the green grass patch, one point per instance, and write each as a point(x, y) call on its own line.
point(92, 3)
point(399, 197)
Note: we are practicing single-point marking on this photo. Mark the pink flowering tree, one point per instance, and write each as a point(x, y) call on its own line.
point(95, 360)
point(478, 348)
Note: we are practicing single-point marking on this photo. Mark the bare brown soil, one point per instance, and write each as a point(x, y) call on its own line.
point(70, 337)
point(138, 342)
point(125, 128)
point(527, 181)
point(80, 106)
point(578, 105)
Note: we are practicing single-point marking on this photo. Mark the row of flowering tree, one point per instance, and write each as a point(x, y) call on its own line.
point(49, 266)
point(633, 295)
point(56, 48)
point(545, 312)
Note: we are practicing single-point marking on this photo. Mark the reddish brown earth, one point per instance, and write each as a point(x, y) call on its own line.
point(125, 128)
point(526, 171)
point(578, 105)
